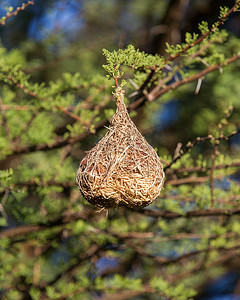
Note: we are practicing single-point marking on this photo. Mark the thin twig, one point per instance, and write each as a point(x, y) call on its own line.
point(15, 12)
point(15, 107)
point(192, 78)
point(198, 140)
point(201, 169)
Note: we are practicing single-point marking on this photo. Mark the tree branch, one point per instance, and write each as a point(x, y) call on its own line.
point(15, 12)
point(140, 99)
point(64, 219)
point(190, 145)
point(61, 141)
point(155, 94)
point(199, 40)
point(85, 215)
point(190, 214)
point(202, 169)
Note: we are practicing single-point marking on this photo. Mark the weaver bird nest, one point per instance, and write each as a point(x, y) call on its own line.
point(122, 169)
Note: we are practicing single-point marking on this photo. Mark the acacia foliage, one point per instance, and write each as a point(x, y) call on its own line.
point(53, 244)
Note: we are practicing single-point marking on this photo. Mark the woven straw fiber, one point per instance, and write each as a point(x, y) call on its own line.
point(122, 169)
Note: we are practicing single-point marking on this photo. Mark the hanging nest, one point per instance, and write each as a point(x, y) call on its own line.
point(122, 169)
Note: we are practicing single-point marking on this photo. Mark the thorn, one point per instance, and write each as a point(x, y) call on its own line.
point(199, 83)
point(133, 84)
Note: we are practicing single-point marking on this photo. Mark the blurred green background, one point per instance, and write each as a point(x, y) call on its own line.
point(50, 38)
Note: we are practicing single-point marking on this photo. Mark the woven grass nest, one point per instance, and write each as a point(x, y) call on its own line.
point(122, 169)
